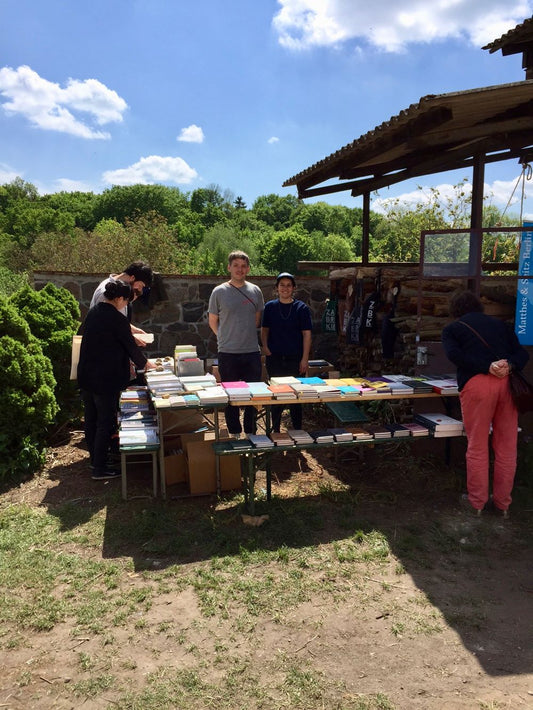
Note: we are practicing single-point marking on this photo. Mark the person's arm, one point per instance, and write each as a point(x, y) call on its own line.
point(264, 340)
point(304, 362)
point(213, 322)
point(258, 315)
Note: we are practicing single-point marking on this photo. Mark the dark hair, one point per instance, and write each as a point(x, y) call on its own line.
point(238, 255)
point(118, 289)
point(464, 302)
point(141, 272)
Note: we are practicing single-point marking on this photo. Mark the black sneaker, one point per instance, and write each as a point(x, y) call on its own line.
point(104, 474)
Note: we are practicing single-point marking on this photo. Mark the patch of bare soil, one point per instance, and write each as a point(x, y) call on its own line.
point(465, 643)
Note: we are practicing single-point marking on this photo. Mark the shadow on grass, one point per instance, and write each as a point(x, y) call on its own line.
point(478, 573)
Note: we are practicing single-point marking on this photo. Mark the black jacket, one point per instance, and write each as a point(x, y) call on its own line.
point(106, 349)
point(469, 354)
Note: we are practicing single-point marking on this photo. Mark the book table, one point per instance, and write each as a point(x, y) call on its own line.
point(252, 457)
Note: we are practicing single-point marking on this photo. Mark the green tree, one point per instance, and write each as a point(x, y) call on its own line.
point(278, 212)
point(285, 249)
point(126, 202)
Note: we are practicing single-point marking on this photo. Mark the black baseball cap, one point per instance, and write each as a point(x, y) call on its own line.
point(285, 275)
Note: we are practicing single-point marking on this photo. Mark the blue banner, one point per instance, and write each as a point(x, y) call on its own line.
point(524, 297)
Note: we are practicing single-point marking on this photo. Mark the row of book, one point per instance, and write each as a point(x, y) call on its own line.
point(431, 424)
point(170, 390)
point(137, 419)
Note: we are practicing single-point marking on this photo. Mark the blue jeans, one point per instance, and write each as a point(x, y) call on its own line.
point(240, 366)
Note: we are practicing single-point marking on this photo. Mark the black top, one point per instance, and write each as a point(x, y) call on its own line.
point(106, 349)
point(470, 355)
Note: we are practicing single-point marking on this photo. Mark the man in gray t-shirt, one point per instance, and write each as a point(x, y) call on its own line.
point(235, 309)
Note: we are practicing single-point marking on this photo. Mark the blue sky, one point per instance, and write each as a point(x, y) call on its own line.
point(238, 93)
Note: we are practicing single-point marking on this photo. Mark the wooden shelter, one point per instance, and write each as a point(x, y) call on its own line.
point(465, 129)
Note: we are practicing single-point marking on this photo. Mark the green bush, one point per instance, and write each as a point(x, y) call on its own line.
point(28, 403)
point(53, 315)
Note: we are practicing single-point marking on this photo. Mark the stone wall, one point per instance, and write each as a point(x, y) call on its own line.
point(177, 312)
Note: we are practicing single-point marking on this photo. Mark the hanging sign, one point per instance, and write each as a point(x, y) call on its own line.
point(524, 295)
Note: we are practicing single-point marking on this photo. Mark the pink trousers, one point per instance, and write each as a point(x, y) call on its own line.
point(485, 399)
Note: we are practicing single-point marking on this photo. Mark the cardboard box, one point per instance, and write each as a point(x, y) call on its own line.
point(175, 461)
point(202, 469)
point(179, 421)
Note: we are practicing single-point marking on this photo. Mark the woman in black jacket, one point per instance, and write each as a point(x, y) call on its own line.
point(484, 350)
point(104, 371)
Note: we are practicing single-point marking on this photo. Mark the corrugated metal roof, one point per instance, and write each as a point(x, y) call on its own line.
point(440, 132)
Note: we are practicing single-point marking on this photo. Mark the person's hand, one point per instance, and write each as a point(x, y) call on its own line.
point(266, 350)
point(150, 365)
point(140, 343)
point(499, 368)
point(303, 366)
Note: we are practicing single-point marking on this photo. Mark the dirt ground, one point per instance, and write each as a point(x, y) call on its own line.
point(482, 656)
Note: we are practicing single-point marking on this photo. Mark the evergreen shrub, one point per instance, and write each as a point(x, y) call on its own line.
point(28, 406)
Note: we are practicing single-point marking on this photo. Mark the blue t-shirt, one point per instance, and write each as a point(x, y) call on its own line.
point(285, 322)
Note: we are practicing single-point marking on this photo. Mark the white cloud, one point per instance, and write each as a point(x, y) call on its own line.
point(7, 174)
point(191, 134)
point(52, 108)
point(497, 193)
point(273, 139)
point(302, 24)
point(153, 169)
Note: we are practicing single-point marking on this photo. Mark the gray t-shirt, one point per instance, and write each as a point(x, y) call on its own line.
point(236, 309)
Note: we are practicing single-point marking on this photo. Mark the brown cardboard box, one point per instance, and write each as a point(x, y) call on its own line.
point(202, 469)
point(178, 421)
point(175, 461)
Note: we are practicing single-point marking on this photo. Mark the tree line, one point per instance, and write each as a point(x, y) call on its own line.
point(193, 232)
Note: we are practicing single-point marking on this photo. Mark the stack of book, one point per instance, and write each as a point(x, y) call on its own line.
point(397, 430)
point(135, 399)
point(341, 434)
point(304, 391)
point(440, 425)
point(322, 436)
point(284, 380)
point(193, 383)
point(328, 392)
point(420, 386)
point(300, 437)
point(212, 395)
point(260, 441)
point(379, 432)
point(282, 392)
point(137, 419)
point(161, 383)
point(259, 391)
point(359, 433)
point(416, 429)
point(237, 391)
point(444, 385)
point(281, 438)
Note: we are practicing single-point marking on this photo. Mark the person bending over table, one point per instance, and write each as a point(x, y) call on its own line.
point(234, 310)
point(286, 340)
point(104, 371)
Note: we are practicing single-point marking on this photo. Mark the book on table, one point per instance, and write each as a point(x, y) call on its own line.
point(260, 441)
point(416, 429)
point(397, 430)
point(438, 421)
point(281, 438)
point(282, 391)
point(322, 436)
point(341, 434)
